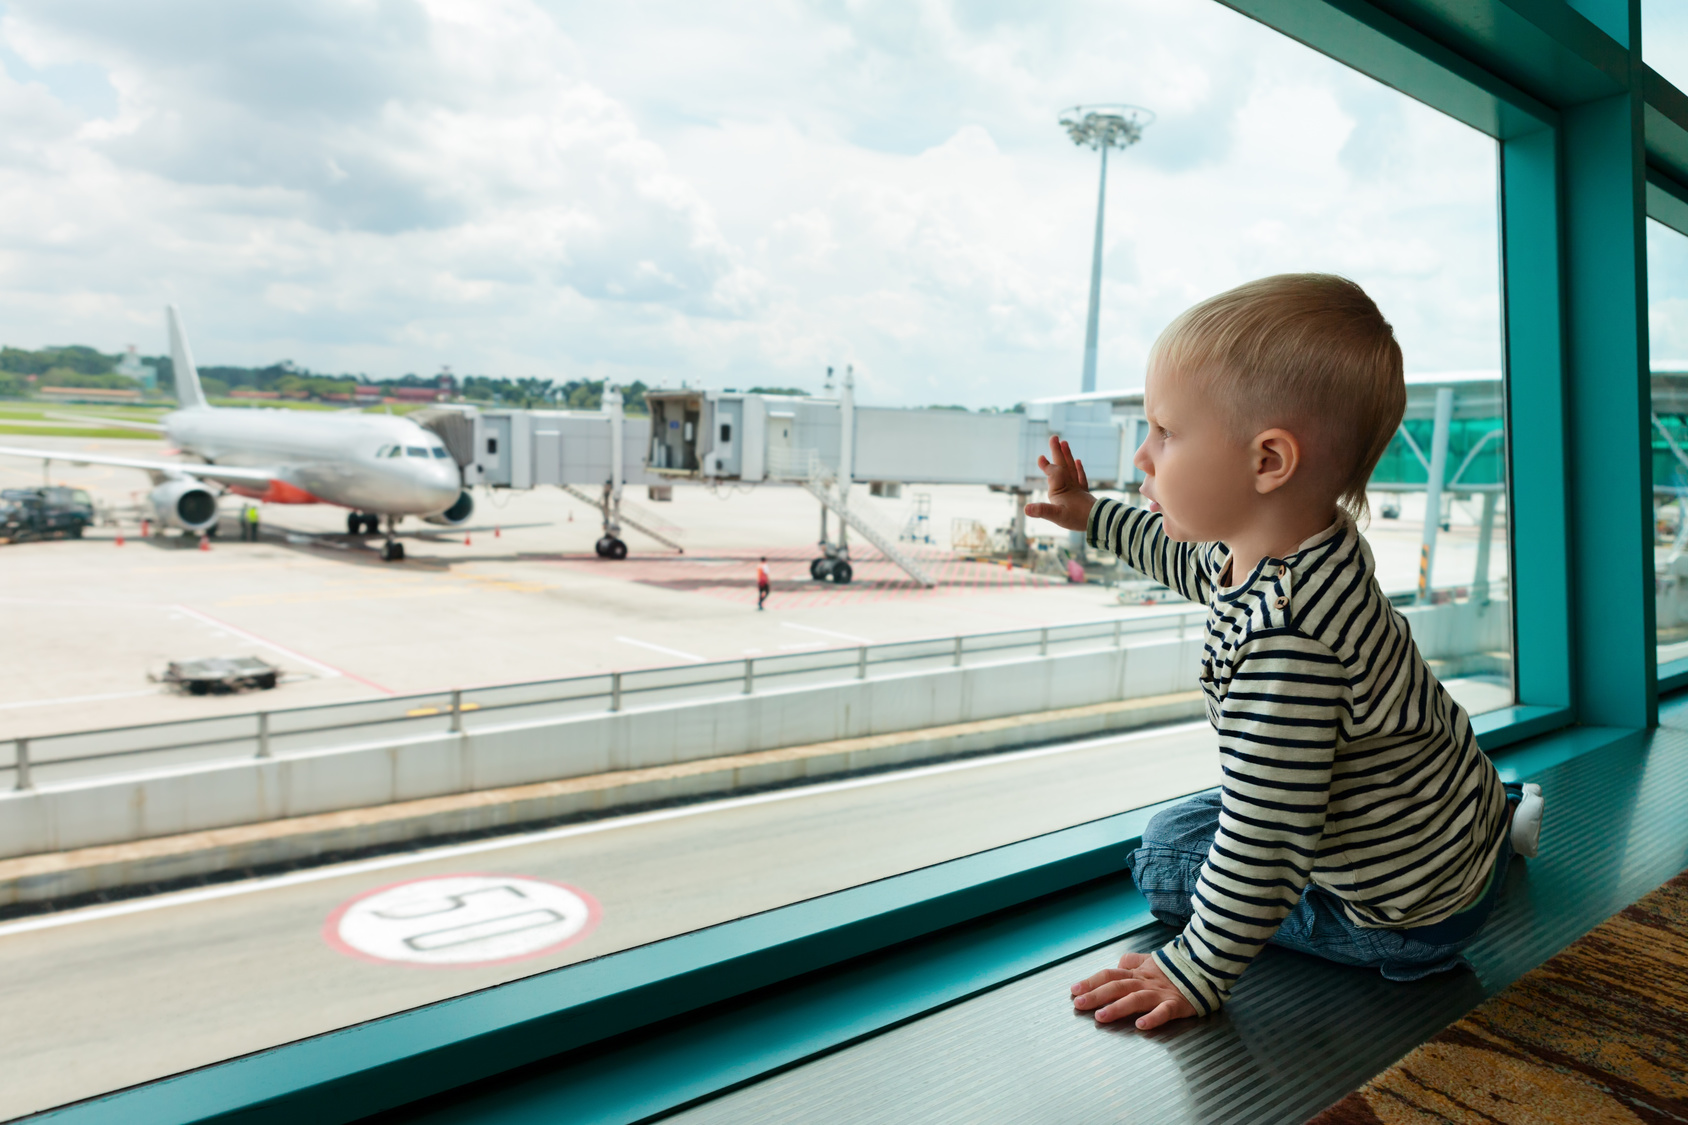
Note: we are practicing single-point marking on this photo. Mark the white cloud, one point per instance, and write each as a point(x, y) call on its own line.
point(734, 193)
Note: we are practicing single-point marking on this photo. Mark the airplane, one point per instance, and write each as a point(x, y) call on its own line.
point(380, 466)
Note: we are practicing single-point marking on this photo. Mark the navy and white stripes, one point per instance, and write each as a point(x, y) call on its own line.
point(1344, 761)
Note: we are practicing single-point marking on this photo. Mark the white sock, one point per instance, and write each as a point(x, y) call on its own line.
point(1526, 822)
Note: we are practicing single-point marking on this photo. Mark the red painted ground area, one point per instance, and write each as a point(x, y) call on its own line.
point(732, 576)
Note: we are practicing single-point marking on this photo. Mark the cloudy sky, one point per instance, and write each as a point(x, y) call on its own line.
point(730, 193)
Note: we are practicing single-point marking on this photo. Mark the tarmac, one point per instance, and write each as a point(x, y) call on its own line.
point(516, 595)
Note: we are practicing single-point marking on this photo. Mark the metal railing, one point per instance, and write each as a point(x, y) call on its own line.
point(279, 733)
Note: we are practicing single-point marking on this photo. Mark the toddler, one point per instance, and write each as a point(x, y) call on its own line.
point(1357, 818)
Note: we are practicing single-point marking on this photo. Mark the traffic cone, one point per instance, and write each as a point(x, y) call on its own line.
point(465, 540)
point(497, 532)
point(120, 539)
point(146, 528)
point(204, 542)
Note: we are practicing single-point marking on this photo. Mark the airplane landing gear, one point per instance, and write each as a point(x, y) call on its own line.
point(392, 550)
point(609, 547)
point(837, 569)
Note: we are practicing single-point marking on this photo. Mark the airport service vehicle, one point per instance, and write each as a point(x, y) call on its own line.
point(381, 467)
point(219, 675)
point(44, 513)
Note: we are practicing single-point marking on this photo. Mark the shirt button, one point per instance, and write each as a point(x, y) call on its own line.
point(1281, 602)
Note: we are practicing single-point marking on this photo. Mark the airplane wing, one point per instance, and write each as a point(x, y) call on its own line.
point(225, 474)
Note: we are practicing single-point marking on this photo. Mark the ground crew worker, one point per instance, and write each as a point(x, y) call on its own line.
point(763, 581)
point(249, 523)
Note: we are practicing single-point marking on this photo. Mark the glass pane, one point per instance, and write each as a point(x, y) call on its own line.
point(1667, 316)
point(1450, 576)
point(1664, 39)
point(511, 747)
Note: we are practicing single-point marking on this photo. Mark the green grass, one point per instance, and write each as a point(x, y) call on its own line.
point(82, 431)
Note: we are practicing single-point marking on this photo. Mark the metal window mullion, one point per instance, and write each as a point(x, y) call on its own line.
point(1532, 284)
point(1609, 414)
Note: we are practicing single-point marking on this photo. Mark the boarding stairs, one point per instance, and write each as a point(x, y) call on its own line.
point(642, 521)
point(824, 485)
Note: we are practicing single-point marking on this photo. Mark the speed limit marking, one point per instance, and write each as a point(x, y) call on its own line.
point(462, 920)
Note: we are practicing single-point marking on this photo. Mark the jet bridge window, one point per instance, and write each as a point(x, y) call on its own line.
point(415, 451)
point(726, 432)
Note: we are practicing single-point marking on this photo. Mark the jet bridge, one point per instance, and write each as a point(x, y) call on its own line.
point(825, 445)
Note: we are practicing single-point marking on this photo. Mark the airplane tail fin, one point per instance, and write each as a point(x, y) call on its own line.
point(188, 391)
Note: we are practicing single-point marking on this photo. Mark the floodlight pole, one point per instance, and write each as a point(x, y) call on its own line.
point(1101, 127)
point(1092, 324)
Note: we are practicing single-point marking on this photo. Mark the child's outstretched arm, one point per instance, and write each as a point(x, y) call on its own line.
point(1134, 534)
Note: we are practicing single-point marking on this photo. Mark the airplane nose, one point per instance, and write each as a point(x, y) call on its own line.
point(444, 484)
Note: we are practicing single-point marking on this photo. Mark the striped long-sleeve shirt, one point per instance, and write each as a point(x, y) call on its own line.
point(1344, 762)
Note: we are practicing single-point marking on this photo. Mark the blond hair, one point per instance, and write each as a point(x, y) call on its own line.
point(1306, 351)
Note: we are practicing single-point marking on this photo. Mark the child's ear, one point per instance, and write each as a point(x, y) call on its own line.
point(1277, 456)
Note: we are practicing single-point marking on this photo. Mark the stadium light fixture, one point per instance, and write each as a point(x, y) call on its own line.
point(1101, 127)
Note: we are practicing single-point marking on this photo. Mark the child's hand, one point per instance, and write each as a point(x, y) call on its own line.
point(1138, 985)
point(1069, 489)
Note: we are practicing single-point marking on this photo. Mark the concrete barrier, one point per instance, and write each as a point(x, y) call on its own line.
point(324, 837)
point(112, 810)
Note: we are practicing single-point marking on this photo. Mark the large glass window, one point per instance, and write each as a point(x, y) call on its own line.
point(1667, 317)
point(717, 203)
point(1664, 39)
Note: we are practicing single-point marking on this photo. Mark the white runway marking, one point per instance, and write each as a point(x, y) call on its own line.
point(661, 649)
point(318, 874)
point(462, 920)
point(827, 632)
point(79, 699)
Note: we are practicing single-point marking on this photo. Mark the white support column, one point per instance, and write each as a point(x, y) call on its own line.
point(846, 448)
point(612, 515)
point(1485, 532)
point(1433, 491)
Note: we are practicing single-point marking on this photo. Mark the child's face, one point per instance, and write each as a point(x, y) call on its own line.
point(1196, 473)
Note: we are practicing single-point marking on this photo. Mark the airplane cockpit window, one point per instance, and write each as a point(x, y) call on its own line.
point(440, 453)
point(415, 451)
point(395, 451)
point(382, 452)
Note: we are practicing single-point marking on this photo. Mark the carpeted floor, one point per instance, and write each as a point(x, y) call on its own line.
point(1596, 1036)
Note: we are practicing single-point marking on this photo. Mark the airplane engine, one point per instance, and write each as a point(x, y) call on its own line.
point(186, 504)
point(457, 514)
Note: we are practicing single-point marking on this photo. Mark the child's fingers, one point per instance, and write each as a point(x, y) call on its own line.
point(1109, 992)
point(1096, 980)
point(1163, 1012)
point(1083, 481)
point(1141, 999)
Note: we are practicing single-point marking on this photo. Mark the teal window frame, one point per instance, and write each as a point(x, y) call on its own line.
point(1590, 142)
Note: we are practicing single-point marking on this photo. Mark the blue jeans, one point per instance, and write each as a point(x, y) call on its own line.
point(1175, 845)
